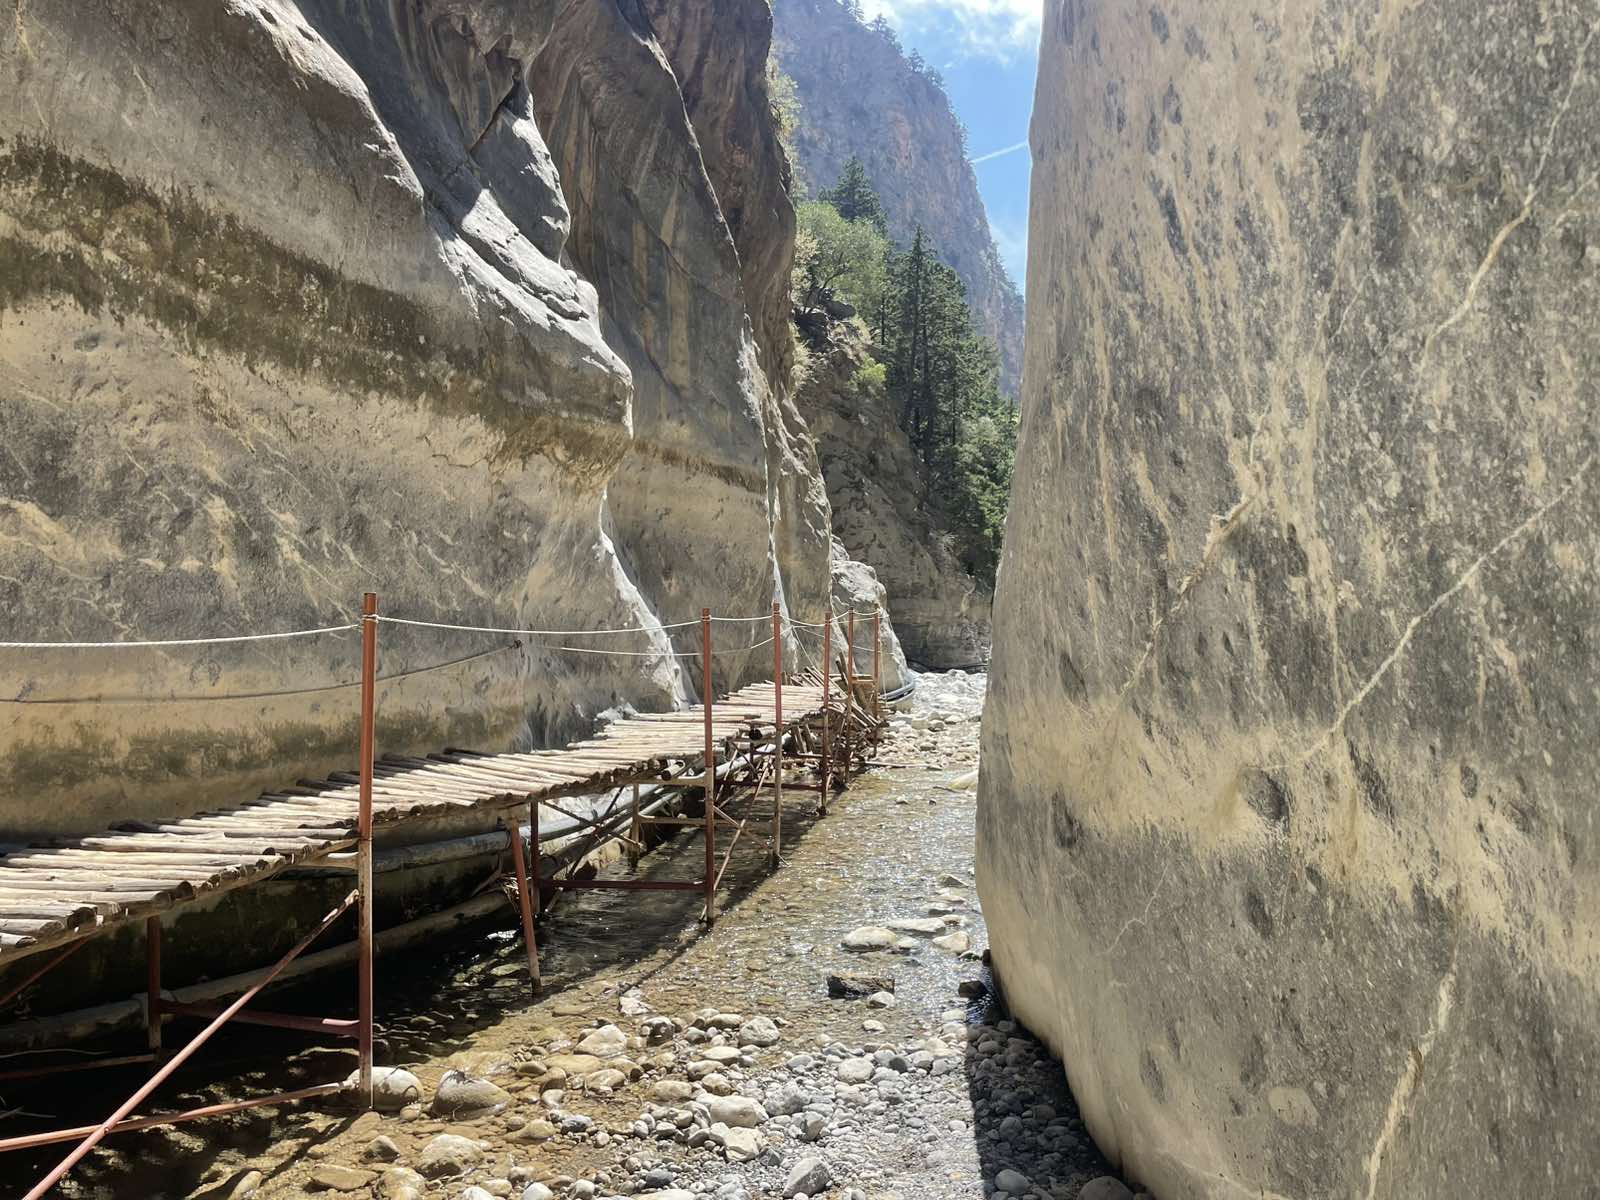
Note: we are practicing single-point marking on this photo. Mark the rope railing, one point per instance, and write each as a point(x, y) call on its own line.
point(196, 641)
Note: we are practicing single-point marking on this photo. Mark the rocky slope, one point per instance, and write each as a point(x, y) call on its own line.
point(859, 96)
point(1287, 840)
point(881, 510)
point(480, 305)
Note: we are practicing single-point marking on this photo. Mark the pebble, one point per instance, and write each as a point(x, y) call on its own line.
point(606, 1042)
point(331, 1178)
point(448, 1154)
point(1106, 1187)
point(809, 1176)
point(866, 938)
point(463, 1095)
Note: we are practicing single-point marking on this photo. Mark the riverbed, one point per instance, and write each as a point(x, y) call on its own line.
point(666, 1058)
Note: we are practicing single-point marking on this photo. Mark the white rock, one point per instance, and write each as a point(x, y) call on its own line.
point(854, 1070)
point(882, 1000)
point(957, 943)
point(758, 1031)
point(810, 1176)
point(737, 1112)
point(922, 926)
point(392, 1088)
point(606, 1042)
point(869, 937)
point(537, 1191)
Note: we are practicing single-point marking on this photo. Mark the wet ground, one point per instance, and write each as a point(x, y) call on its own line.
point(927, 1096)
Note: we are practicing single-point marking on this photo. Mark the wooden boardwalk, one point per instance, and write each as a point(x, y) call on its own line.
point(77, 888)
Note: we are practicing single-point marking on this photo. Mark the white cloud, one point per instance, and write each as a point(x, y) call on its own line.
point(1000, 153)
point(1001, 28)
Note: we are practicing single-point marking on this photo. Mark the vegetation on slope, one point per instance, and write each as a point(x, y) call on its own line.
point(940, 375)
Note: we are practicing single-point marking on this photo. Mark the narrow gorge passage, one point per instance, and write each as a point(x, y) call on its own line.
point(651, 1036)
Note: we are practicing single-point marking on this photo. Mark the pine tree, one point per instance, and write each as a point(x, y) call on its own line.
point(855, 197)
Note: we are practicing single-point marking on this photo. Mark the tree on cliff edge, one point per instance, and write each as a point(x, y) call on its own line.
point(856, 198)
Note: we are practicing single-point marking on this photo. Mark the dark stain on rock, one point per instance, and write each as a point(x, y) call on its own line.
point(1194, 45)
point(1064, 826)
point(1172, 106)
point(1072, 682)
point(1253, 1070)
point(1389, 231)
point(1169, 215)
point(1268, 796)
point(1374, 792)
point(1158, 24)
point(1150, 1073)
point(1255, 911)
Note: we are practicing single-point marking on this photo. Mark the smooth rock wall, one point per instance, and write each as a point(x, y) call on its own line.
point(295, 301)
point(1287, 830)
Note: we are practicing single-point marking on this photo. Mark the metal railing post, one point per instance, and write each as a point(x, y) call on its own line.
point(711, 768)
point(877, 662)
point(364, 972)
point(827, 713)
point(514, 828)
point(152, 989)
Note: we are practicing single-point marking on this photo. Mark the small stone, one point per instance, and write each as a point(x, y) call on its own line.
point(921, 926)
point(871, 1026)
point(463, 1095)
point(331, 1178)
point(738, 1112)
point(869, 937)
point(741, 1145)
point(809, 1177)
point(854, 1070)
point(1011, 1181)
point(717, 1084)
point(606, 1042)
point(244, 1186)
point(882, 1000)
point(672, 1091)
point(400, 1183)
point(1106, 1187)
point(392, 1088)
point(604, 1082)
point(812, 1126)
point(381, 1149)
point(853, 985)
point(948, 880)
point(537, 1191)
point(476, 1193)
point(957, 943)
point(448, 1154)
point(758, 1031)
point(573, 1064)
point(972, 988)
point(657, 1029)
point(722, 1055)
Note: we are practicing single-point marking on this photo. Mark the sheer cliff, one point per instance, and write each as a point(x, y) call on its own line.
point(480, 305)
point(1287, 829)
point(859, 96)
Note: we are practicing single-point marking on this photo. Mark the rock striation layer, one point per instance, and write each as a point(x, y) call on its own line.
point(479, 305)
point(1287, 833)
point(860, 96)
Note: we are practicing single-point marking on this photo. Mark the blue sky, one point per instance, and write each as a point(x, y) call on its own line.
point(988, 53)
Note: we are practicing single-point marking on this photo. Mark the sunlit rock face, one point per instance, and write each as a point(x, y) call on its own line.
point(435, 298)
point(1288, 834)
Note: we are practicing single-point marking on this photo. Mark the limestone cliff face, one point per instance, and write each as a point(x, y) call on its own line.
point(1288, 834)
point(442, 298)
point(881, 510)
point(859, 96)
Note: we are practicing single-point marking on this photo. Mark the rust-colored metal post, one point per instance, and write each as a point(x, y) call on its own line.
point(535, 868)
point(849, 690)
point(514, 828)
point(364, 972)
point(152, 983)
point(777, 738)
point(877, 662)
point(827, 713)
point(711, 768)
point(42, 1188)
point(635, 830)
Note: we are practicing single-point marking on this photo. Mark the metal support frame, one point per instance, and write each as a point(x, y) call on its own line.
point(530, 889)
point(158, 1008)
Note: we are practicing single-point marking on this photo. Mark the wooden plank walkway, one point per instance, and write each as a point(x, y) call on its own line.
point(74, 888)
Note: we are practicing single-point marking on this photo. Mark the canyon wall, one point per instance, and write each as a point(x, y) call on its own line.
point(1287, 828)
point(859, 96)
point(480, 305)
point(881, 511)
